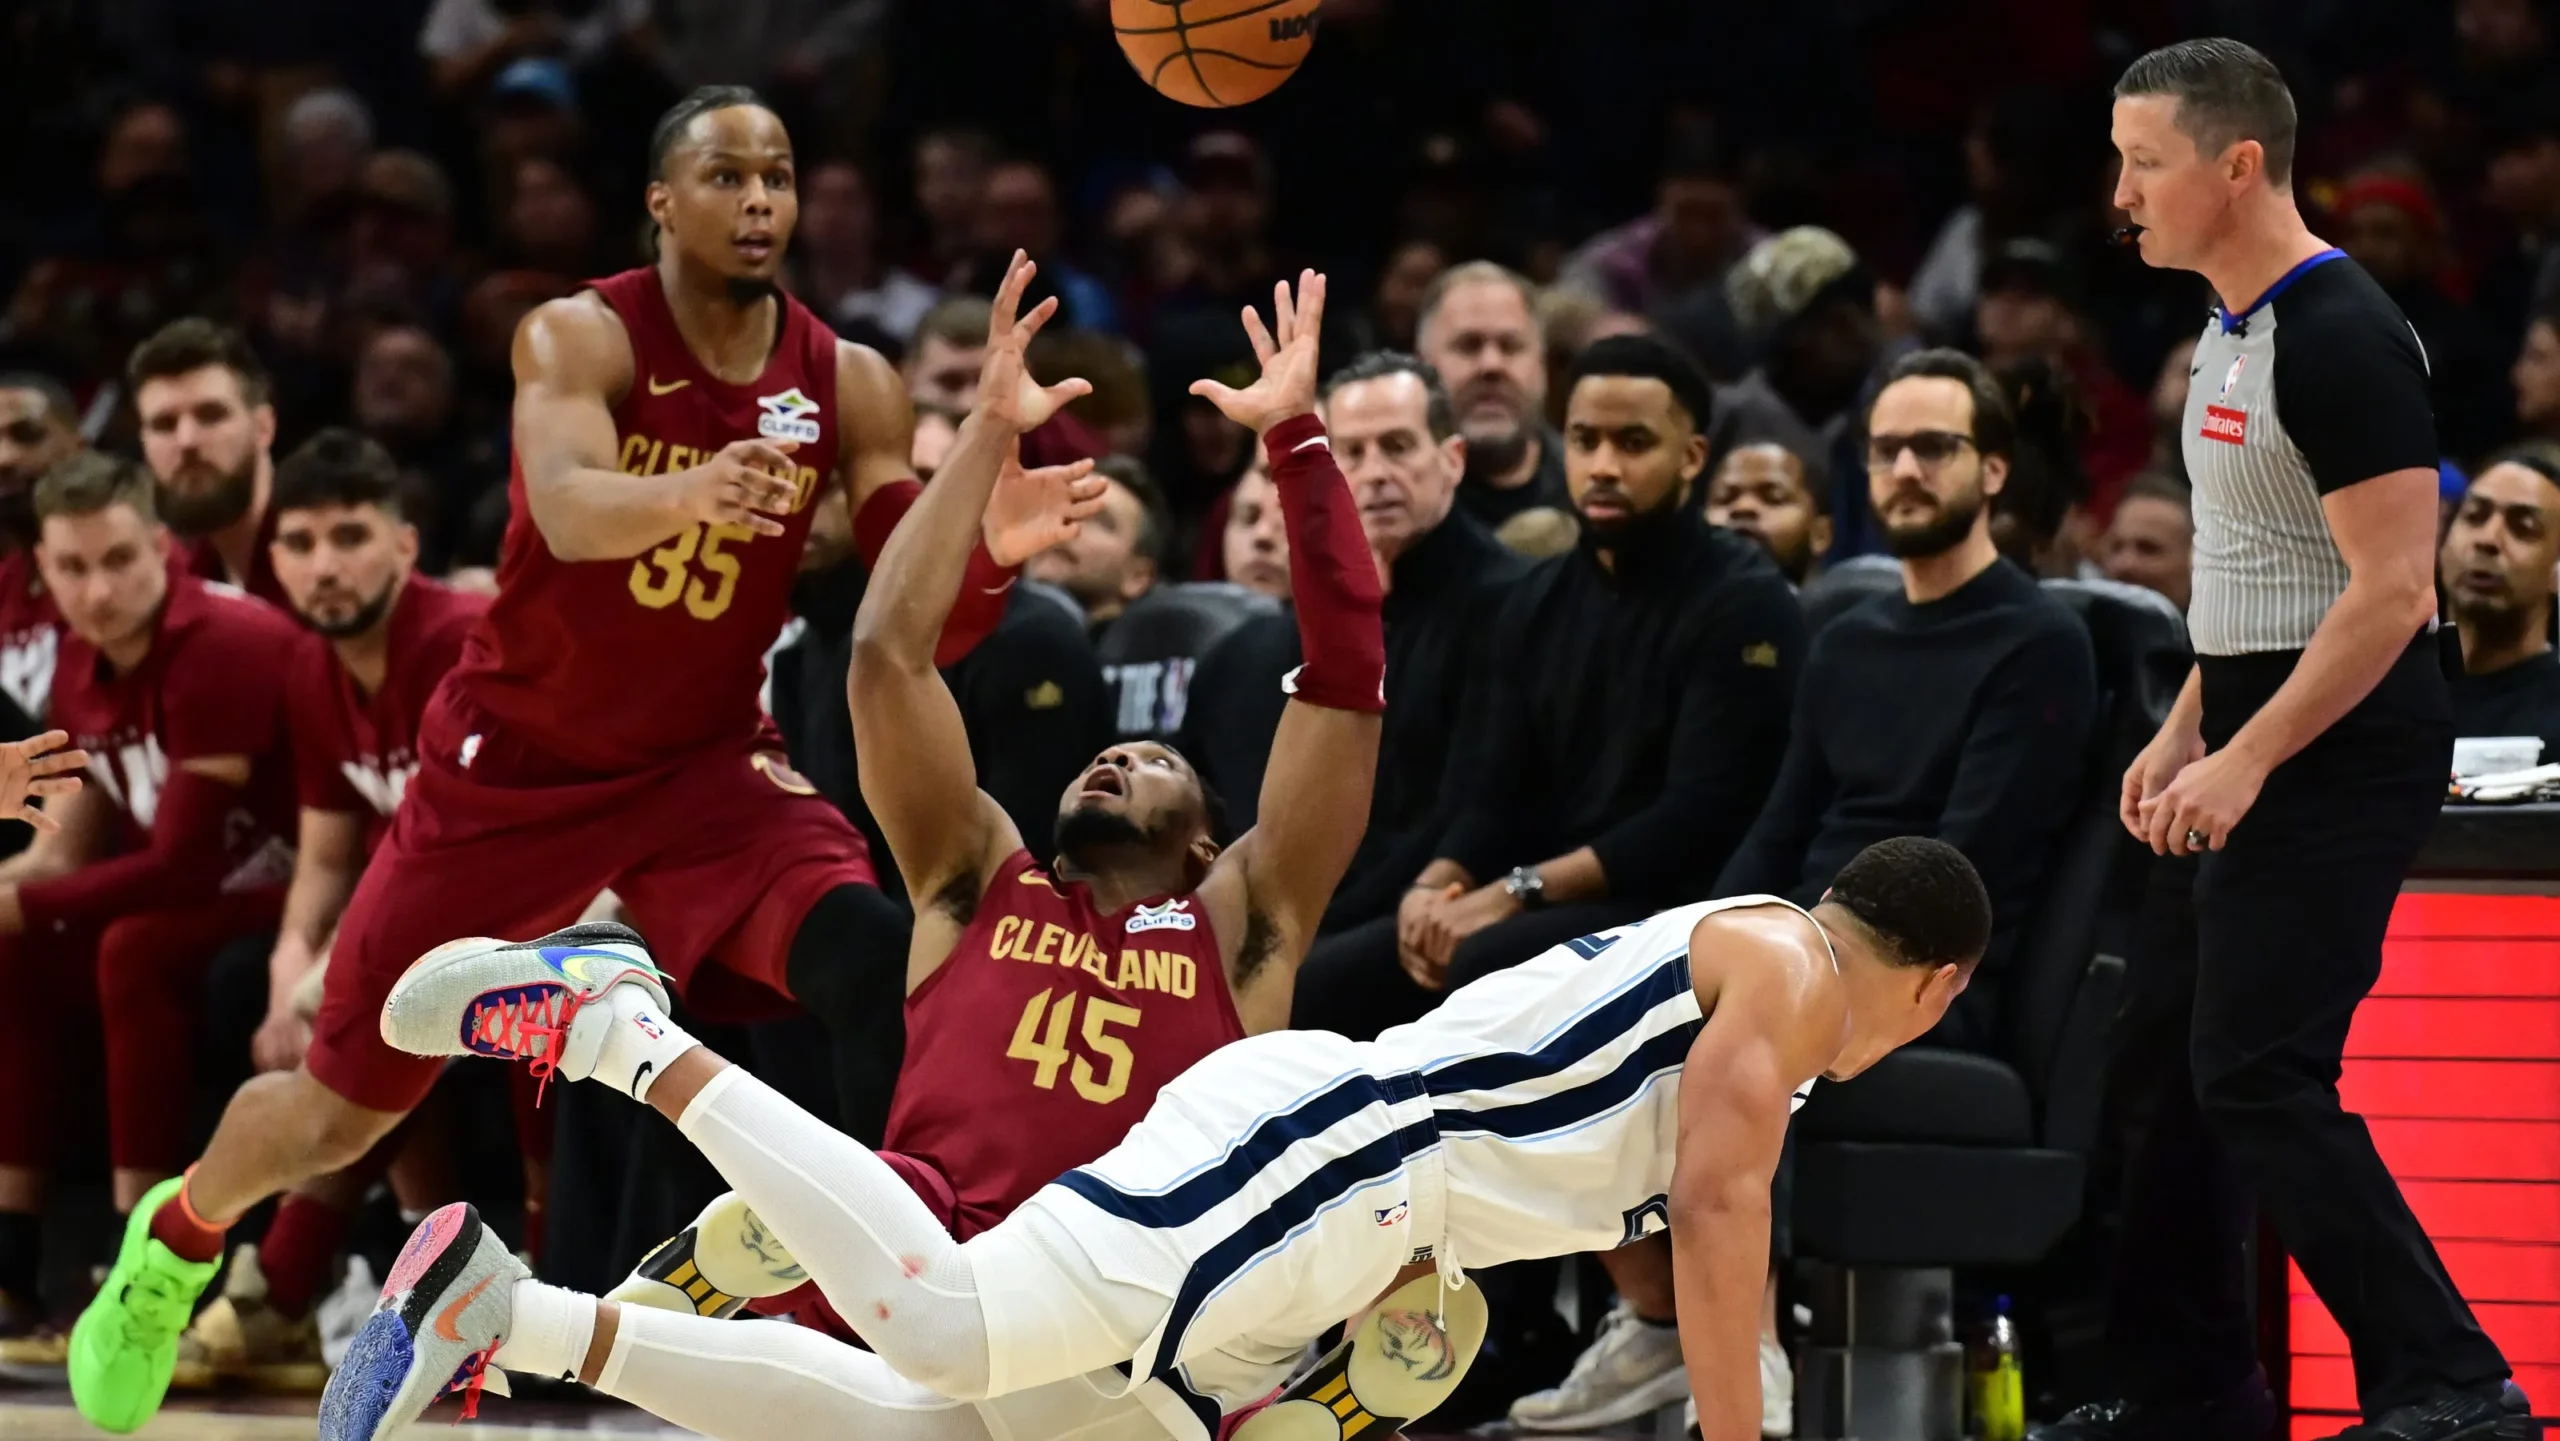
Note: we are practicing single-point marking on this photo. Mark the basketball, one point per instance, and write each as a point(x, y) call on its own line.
point(1215, 53)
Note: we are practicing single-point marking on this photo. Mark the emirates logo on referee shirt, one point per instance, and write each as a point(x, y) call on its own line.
point(2223, 423)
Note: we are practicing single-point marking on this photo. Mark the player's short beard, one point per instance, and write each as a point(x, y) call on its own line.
point(748, 290)
point(364, 618)
point(194, 514)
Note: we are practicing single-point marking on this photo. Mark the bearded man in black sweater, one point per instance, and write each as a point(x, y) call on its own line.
point(1960, 708)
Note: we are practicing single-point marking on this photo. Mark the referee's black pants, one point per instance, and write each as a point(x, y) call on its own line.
point(2248, 968)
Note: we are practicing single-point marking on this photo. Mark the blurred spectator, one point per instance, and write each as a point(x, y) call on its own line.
point(401, 248)
point(836, 260)
point(550, 220)
point(2518, 276)
point(1635, 714)
point(781, 44)
point(146, 253)
point(1018, 210)
point(467, 41)
point(404, 399)
point(2021, 165)
point(37, 432)
point(1395, 311)
point(1117, 409)
point(1224, 219)
point(1253, 545)
point(950, 345)
point(2535, 378)
point(208, 432)
point(2389, 223)
point(1806, 308)
point(2169, 407)
point(1478, 327)
point(2497, 566)
point(1960, 707)
point(327, 135)
point(1760, 490)
point(937, 430)
point(38, 426)
point(1698, 228)
point(532, 110)
point(951, 179)
point(1119, 553)
point(2030, 310)
point(1395, 432)
point(2040, 519)
point(2151, 539)
point(941, 370)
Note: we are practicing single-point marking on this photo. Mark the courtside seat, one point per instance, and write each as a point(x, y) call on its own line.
point(1936, 1159)
point(1179, 620)
point(1842, 588)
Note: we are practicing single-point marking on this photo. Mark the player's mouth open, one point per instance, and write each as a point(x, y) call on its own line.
point(754, 247)
point(1104, 781)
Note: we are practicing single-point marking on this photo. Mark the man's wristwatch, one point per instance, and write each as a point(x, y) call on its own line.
point(1526, 886)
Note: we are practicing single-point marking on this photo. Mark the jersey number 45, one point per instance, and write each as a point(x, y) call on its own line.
point(1048, 1052)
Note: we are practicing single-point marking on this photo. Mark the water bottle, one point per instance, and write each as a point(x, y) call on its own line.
point(1998, 1392)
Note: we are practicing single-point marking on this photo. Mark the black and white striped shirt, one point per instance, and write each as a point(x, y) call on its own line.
point(2318, 385)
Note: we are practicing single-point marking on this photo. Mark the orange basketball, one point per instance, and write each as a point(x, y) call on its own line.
point(1215, 52)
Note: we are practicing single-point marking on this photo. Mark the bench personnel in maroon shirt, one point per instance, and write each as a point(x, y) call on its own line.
point(179, 843)
point(208, 416)
point(673, 426)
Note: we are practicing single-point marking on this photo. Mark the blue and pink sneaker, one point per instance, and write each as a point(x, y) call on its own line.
point(443, 1314)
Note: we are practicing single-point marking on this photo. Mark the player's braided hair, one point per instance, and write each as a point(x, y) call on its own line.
point(705, 99)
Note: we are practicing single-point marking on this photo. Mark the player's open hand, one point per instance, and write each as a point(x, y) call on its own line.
point(1288, 385)
point(748, 483)
point(1006, 392)
point(36, 768)
point(1032, 510)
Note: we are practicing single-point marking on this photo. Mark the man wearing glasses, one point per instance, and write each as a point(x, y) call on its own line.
point(1959, 708)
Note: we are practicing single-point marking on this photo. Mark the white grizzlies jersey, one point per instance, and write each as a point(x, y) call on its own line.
point(1285, 1179)
point(1556, 1089)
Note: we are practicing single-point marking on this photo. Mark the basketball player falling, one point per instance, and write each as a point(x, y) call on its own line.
point(674, 428)
point(1623, 1084)
point(1047, 1007)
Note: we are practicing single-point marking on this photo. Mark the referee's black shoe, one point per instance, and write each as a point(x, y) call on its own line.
point(2454, 1416)
point(2248, 1414)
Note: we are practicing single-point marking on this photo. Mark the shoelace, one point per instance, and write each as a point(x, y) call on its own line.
point(146, 1326)
point(468, 1378)
point(514, 1026)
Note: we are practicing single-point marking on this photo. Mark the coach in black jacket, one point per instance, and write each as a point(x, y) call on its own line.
point(1635, 713)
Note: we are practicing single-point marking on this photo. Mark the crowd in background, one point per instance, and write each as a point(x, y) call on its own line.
point(1775, 210)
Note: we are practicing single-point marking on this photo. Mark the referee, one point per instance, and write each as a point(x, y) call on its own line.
point(2301, 766)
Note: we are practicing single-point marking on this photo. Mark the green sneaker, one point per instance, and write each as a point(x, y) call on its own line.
point(126, 1343)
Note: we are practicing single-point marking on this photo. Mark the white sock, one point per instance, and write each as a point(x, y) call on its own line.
point(637, 1045)
point(550, 1332)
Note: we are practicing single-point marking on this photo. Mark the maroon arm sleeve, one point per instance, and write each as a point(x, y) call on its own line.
point(183, 864)
point(1333, 579)
point(983, 589)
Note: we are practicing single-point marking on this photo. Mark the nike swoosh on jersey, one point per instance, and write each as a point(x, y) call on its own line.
point(656, 389)
point(446, 1317)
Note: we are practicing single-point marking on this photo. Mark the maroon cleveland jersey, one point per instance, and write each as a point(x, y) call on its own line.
point(213, 685)
point(1047, 1034)
point(30, 635)
point(621, 666)
point(355, 752)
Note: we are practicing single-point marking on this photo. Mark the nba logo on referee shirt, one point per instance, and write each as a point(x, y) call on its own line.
point(2232, 378)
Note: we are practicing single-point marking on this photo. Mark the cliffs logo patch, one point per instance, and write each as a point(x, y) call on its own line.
point(1764, 655)
point(788, 416)
point(2232, 377)
point(1174, 915)
point(779, 771)
point(2225, 424)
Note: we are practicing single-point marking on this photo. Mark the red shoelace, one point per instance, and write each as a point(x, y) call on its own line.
point(512, 1027)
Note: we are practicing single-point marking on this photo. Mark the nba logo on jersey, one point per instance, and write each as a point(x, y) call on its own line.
point(1389, 1215)
point(2238, 363)
point(788, 416)
point(1173, 915)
